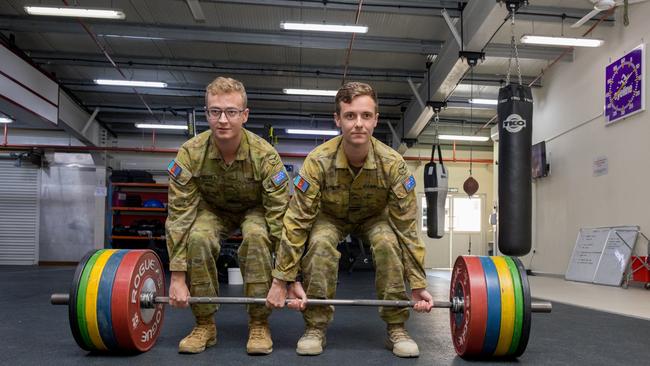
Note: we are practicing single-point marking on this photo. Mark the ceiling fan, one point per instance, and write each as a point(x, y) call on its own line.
point(602, 5)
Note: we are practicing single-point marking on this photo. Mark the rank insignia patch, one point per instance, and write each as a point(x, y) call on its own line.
point(174, 169)
point(279, 178)
point(409, 183)
point(301, 183)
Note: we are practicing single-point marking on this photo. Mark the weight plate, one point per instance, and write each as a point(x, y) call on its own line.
point(104, 320)
point(92, 292)
point(137, 329)
point(525, 327)
point(72, 303)
point(494, 306)
point(468, 327)
point(519, 305)
point(507, 306)
point(81, 301)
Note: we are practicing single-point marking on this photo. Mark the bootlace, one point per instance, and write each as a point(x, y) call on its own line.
point(258, 332)
point(398, 334)
point(314, 333)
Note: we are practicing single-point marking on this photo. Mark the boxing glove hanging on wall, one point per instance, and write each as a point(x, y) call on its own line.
point(435, 189)
point(515, 115)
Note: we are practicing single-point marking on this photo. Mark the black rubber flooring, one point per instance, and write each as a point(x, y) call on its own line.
point(33, 332)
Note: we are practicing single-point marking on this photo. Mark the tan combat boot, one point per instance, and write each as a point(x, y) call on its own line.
point(202, 336)
point(259, 338)
point(400, 343)
point(312, 342)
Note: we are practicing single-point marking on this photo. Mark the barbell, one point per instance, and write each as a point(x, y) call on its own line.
point(116, 299)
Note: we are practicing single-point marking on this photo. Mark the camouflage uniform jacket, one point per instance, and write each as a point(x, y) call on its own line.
point(327, 185)
point(199, 176)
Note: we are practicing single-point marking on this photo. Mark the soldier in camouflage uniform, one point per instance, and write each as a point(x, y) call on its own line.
point(221, 180)
point(352, 184)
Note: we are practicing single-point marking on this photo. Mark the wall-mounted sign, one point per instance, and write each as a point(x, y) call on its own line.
point(600, 166)
point(624, 86)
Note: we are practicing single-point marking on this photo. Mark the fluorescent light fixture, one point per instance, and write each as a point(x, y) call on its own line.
point(463, 138)
point(484, 101)
point(562, 41)
point(320, 27)
point(132, 83)
point(4, 119)
point(319, 92)
point(295, 131)
point(131, 37)
point(161, 126)
point(72, 11)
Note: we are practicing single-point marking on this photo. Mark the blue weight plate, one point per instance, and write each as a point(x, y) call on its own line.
point(104, 295)
point(494, 306)
point(72, 302)
point(525, 327)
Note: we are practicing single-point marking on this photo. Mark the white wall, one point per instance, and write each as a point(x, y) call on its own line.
point(568, 115)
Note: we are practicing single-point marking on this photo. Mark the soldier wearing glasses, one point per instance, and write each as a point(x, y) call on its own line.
point(223, 179)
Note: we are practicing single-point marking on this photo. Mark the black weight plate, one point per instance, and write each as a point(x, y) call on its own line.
point(525, 328)
point(72, 302)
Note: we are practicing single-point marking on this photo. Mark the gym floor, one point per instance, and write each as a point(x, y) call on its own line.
point(33, 332)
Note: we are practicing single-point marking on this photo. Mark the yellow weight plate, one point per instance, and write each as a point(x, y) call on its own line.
point(91, 299)
point(508, 308)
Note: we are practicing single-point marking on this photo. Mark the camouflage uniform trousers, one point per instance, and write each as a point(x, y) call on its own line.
point(321, 260)
point(254, 254)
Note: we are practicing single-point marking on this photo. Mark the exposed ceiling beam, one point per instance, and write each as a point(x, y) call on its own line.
point(482, 19)
point(212, 67)
point(555, 14)
point(407, 7)
point(221, 35)
point(198, 91)
point(196, 10)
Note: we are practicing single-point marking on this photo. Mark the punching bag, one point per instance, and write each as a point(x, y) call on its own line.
point(515, 115)
point(435, 189)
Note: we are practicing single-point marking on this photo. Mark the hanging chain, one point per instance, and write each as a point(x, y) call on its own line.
point(471, 117)
point(436, 120)
point(514, 52)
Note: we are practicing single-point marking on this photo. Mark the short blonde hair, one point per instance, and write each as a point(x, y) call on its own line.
point(222, 85)
point(351, 90)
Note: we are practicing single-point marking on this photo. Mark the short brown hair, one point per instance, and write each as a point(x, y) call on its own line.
point(222, 85)
point(351, 90)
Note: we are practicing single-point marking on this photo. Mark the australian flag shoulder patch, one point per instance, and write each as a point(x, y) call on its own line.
point(409, 183)
point(301, 183)
point(279, 178)
point(174, 169)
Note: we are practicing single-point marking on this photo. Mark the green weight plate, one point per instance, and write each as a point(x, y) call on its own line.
point(81, 302)
point(519, 305)
point(72, 304)
point(525, 327)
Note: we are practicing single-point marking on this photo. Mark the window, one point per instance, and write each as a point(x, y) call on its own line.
point(466, 213)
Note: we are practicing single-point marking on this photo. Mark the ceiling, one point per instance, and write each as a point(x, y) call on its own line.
point(162, 40)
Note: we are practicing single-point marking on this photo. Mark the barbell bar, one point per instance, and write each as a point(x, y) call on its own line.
point(114, 303)
point(148, 300)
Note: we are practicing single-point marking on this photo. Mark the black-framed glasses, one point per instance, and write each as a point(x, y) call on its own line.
point(231, 113)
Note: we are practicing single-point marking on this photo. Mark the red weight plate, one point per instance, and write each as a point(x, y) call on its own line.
point(137, 329)
point(468, 327)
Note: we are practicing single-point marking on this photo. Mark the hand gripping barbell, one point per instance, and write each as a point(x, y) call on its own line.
point(114, 303)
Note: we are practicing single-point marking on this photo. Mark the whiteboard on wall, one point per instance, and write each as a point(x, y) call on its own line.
point(596, 247)
point(616, 255)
